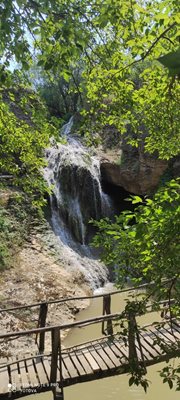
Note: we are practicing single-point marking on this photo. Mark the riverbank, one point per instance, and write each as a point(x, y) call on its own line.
point(38, 273)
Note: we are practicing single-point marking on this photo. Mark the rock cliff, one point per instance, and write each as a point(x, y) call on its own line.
point(134, 169)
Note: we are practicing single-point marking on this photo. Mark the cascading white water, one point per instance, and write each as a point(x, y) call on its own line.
point(77, 197)
point(66, 129)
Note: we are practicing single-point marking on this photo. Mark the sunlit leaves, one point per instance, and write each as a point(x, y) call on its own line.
point(110, 39)
point(22, 143)
point(144, 244)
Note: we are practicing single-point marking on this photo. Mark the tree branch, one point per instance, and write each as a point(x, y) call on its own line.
point(147, 52)
point(157, 40)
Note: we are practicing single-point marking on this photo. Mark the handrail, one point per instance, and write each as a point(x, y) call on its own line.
point(65, 299)
point(85, 322)
point(69, 325)
point(162, 302)
point(18, 360)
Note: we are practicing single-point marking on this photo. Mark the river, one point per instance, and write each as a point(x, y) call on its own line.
point(113, 388)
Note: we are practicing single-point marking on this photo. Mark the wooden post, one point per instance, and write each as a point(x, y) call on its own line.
point(107, 310)
point(103, 312)
point(61, 394)
point(133, 358)
point(42, 323)
point(55, 340)
point(55, 343)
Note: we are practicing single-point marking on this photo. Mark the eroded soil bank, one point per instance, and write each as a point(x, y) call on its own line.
point(39, 273)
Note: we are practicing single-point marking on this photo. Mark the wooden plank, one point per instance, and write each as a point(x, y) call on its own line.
point(168, 338)
point(176, 324)
point(98, 359)
point(84, 362)
point(65, 372)
point(123, 350)
point(42, 377)
point(33, 380)
point(173, 331)
point(146, 354)
point(4, 380)
point(70, 366)
point(99, 356)
point(111, 354)
point(46, 365)
point(176, 334)
point(95, 367)
point(176, 330)
point(171, 334)
point(116, 351)
point(148, 351)
point(15, 376)
point(23, 375)
point(75, 359)
point(104, 355)
point(164, 342)
point(149, 339)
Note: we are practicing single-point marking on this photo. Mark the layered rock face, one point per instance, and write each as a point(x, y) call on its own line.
point(133, 169)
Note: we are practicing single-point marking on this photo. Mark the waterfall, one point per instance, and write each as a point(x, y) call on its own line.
point(77, 196)
point(66, 129)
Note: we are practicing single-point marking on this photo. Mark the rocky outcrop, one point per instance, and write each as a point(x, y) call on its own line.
point(134, 169)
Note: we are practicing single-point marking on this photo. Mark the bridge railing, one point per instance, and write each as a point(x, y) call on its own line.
point(106, 310)
point(90, 297)
point(128, 314)
point(107, 323)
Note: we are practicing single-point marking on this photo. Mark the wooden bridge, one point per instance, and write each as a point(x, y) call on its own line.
point(124, 345)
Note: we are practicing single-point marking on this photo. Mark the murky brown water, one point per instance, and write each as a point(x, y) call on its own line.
point(114, 388)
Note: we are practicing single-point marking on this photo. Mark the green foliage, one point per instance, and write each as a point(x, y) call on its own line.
point(129, 74)
point(148, 104)
point(137, 378)
point(144, 244)
point(24, 134)
point(61, 97)
point(62, 94)
point(150, 110)
point(109, 41)
point(171, 376)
